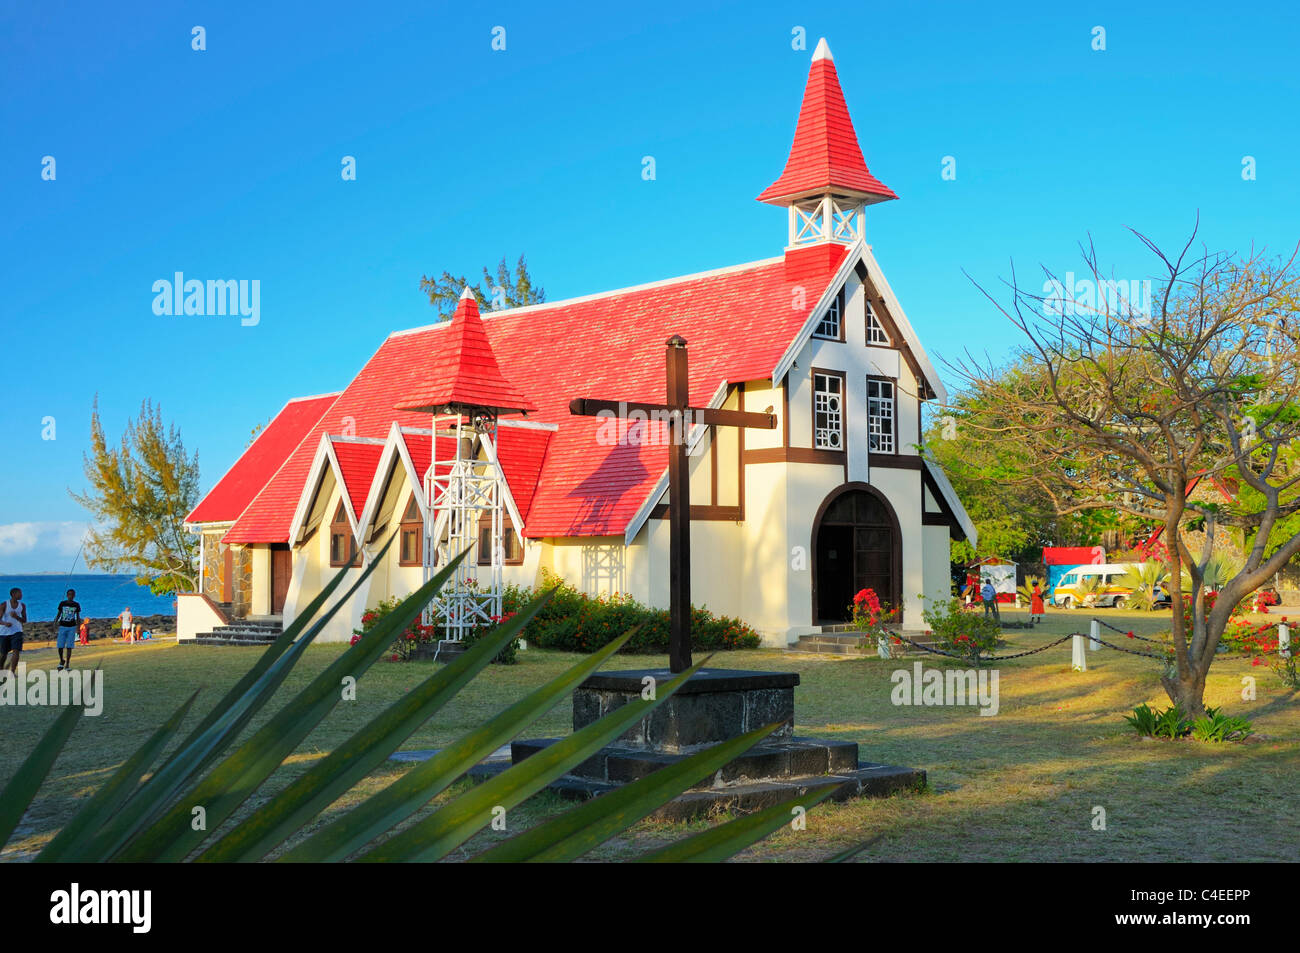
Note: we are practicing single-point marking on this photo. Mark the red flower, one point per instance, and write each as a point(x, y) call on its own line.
point(1129, 634)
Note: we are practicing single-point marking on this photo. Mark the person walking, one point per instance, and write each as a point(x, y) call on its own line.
point(83, 631)
point(66, 618)
point(13, 616)
point(989, 596)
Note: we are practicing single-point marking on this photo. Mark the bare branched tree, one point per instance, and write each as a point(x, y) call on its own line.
point(1120, 403)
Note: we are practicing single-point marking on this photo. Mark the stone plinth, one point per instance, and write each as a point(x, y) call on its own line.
point(714, 705)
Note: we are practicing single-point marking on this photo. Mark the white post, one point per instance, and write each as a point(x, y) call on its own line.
point(1093, 633)
point(1079, 656)
point(1284, 640)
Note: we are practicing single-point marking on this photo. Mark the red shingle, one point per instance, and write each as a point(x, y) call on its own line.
point(254, 469)
point(825, 155)
point(464, 371)
point(357, 461)
point(737, 322)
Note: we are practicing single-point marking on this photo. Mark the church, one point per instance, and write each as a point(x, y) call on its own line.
point(786, 524)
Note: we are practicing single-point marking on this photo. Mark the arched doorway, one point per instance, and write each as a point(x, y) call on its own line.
point(856, 545)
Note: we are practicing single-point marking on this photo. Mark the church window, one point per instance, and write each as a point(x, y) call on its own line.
point(411, 542)
point(828, 410)
point(512, 549)
point(343, 545)
point(875, 330)
point(831, 326)
point(880, 416)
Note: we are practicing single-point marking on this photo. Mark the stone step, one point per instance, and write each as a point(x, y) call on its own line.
point(867, 779)
point(240, 633)
point(797, 757)
point(837, 644)
point(209, 640)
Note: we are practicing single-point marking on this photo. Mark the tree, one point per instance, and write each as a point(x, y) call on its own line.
point(139, 495)
point(1015, 518)
point(509, 289)
point(1135, 400)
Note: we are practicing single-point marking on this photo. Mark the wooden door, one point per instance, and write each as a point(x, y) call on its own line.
point(281, 570)
point(228, 576)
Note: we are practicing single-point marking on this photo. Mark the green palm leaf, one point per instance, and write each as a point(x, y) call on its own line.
point(456, 822)
point(347, 764)
point(584, 828)
point(726, 840)
point(22, 787)
point(114, 793)
point(173, 836)
point(399, 800)
point(276, 649)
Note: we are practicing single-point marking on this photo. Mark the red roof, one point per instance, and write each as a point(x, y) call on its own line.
point(738, 323)
point(254, 469)
point(357, 462)
point(464, 371)
point(825, 156)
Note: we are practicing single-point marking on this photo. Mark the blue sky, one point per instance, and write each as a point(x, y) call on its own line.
point(225, 163)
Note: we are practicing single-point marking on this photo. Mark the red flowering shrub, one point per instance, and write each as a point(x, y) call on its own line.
point(871, 616)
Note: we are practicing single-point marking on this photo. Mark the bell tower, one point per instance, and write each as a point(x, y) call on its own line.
point(826, 184)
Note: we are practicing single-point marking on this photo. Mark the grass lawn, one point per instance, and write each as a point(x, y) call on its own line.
point(1018, 786)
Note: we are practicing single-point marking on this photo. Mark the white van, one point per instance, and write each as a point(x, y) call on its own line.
point(1112, 592)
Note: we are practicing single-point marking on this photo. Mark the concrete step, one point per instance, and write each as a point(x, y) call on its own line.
point(240, 633)
point(867, 779)
point(836, 643)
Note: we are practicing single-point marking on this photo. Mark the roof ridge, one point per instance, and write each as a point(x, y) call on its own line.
point(565, 302)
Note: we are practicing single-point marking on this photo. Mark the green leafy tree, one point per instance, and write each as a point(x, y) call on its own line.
point(1015, 517)
point(1135, 400)
point(140, 491)
point(509, 288)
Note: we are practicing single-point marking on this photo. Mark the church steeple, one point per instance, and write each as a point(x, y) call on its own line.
point(826, 183)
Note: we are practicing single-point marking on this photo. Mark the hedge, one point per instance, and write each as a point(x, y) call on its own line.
point(576, 622)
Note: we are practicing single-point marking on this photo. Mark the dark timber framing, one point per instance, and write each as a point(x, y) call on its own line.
point(678, 411)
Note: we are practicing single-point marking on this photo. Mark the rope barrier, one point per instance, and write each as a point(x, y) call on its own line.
point(1126, 632)
point(1164, 657)
point(986, 658)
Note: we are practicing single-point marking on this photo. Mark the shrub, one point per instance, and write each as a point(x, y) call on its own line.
point(1143, 720)
point(871, 616)
point(405, 643)
point(417, 634)
point(1172, 723)
point(1216, 726)
point(961, 632)
point(576, 622)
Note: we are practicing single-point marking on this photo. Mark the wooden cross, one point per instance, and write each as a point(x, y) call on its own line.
point(680, 417)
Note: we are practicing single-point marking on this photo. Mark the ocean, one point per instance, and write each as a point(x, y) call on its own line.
point(102, 596)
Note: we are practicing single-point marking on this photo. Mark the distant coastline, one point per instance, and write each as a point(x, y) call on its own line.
point(101, 595)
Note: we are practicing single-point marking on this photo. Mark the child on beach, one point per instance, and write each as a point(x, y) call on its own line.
point(83, 632)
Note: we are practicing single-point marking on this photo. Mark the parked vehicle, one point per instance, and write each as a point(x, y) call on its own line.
point(1093, 586)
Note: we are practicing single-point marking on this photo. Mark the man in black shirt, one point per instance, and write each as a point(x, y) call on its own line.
point(67, 618)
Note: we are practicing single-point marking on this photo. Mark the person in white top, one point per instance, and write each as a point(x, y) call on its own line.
point(128, 630)
point(13, 616)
